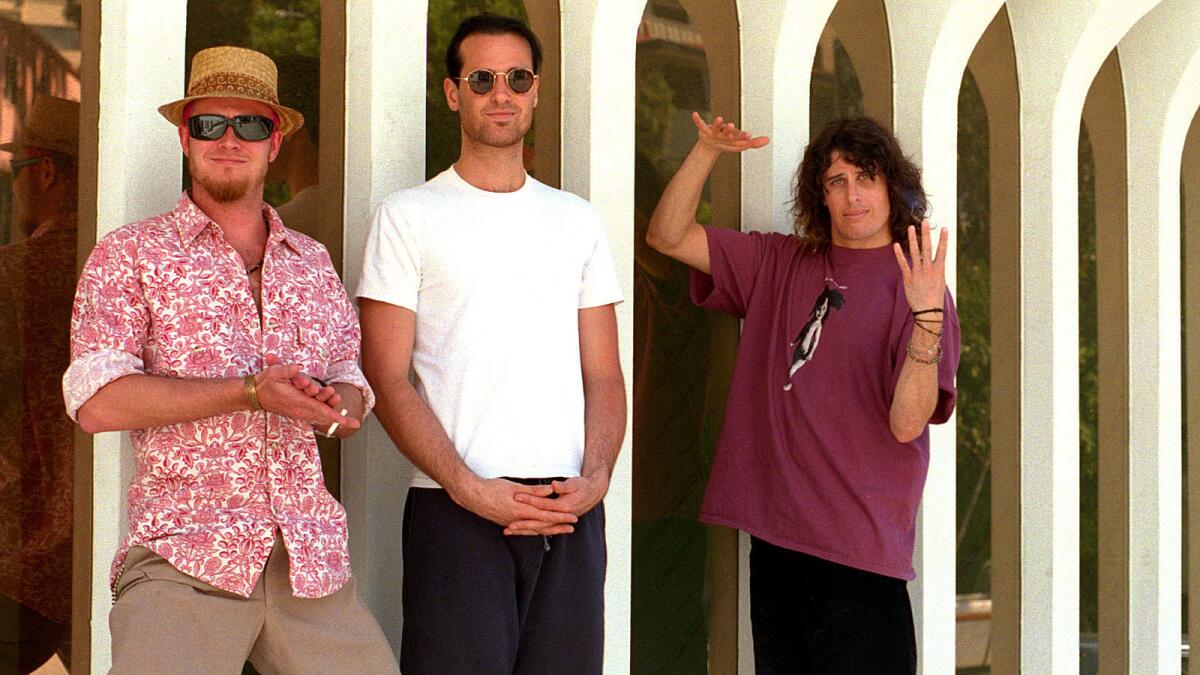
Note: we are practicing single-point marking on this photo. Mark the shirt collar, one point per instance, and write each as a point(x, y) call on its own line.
point(191, 221)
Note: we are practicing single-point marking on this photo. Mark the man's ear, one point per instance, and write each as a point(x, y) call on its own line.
point(276, 144)
point(183, 138)
point(451, 88)
point(45, 173)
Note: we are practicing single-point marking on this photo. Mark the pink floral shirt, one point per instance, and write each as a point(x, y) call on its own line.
point(170, 297)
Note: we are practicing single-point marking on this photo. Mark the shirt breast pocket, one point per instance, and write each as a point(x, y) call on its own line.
point(313, 349)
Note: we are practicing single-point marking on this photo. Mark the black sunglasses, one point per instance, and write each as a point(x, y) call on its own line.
point(247, 127)
point(520, 80)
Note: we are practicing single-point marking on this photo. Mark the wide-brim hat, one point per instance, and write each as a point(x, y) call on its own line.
point(52, 124)
point(234, 72)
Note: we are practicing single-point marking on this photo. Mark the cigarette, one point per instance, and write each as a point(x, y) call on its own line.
point(333, 427)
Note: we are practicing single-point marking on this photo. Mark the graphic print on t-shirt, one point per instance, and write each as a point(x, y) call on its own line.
point(810, 335)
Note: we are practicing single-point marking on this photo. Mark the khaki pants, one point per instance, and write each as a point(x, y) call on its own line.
point(167, 622)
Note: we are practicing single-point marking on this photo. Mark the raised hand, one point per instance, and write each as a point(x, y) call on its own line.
point(925, 279)
point(722, 136)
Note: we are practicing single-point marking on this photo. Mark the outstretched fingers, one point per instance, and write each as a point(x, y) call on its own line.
point(726, 136)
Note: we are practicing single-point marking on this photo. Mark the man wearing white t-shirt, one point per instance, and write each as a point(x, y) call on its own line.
point(498, 292)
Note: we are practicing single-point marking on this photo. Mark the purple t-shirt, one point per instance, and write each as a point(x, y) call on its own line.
point(816, 468)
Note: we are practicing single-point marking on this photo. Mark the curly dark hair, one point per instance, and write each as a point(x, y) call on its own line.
point(868, 145)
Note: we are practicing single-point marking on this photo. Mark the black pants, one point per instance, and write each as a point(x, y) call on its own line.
point(28, 640)
point(477, 601)
point(810, 615)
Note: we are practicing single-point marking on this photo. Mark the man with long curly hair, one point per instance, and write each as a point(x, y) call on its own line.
point(848, 351)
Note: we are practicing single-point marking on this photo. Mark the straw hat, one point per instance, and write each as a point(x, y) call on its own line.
point(52, 124)
point(234, 72)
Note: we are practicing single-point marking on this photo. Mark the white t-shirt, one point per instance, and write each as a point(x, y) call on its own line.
point(496, 281)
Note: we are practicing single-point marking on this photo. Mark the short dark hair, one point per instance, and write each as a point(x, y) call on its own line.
point(489, 24)
point(868, 145)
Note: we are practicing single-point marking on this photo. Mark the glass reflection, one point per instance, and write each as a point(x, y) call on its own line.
point(682, 568)
point(37, 281)
point(39, 128)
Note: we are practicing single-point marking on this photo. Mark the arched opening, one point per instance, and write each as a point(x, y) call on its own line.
point(1103, 375)
point(1189, 222)
point(987, 577)
point(852, 69)
point(685, 573)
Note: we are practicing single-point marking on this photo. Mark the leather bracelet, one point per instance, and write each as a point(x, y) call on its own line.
point(251, 392)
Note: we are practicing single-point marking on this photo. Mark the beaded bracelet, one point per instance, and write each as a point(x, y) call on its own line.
point(930, 357)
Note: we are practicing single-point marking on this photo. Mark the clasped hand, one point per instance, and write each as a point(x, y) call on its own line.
point(285, 390)
point(536, 509)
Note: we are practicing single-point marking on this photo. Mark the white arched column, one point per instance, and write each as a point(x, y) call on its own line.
point(599, 58)
point(931, 44)
point(1161, 63)
point(779, 42)
point(1059, 48)
point(132, 63)
point(384, 151)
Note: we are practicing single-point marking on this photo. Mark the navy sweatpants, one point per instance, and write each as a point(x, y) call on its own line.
point(477, 601)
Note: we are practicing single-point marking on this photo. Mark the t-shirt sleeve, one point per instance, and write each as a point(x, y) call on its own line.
point(736, 258)
point(947, 367)
point(600, 285)
point(947, 391)
point(391, 270)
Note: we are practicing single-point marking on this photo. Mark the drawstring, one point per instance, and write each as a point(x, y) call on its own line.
point(546, 542)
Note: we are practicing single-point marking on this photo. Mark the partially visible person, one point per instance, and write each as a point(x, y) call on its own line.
point(848, 351)
point(298, 163)
point(498, 291)
point(37, 285)
point(221, 339)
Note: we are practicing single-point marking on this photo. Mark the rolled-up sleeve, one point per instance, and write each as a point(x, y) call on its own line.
point(109, 321)
point(348, 338)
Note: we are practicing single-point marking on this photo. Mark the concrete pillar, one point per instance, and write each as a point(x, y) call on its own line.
point(599, 57)
point(384, 151)
point(1163, 92)
point(133, 58)
point(1059, 48)
point(931, 45)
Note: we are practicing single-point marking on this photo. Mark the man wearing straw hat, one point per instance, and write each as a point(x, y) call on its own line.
point(44, 167)
point(204, 331)
point(37, 285)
